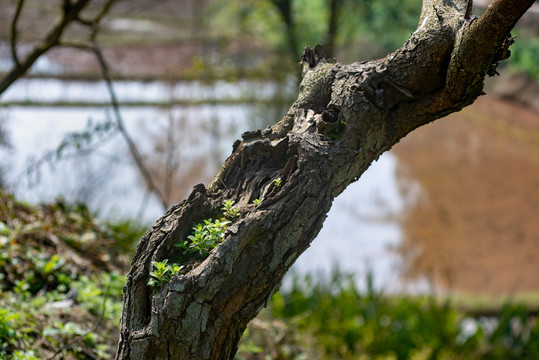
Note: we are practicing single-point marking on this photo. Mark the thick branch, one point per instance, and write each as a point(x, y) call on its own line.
point(345, 116)
point(478, 43)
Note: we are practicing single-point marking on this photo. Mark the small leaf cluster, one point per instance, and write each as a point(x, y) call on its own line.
point(229, 210)
point(257, 202)
point(205, 237)
point(162, 273)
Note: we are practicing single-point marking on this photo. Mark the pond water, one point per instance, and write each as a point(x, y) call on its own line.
point(358, 236)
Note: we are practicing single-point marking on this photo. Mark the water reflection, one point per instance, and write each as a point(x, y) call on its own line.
point(475, 227)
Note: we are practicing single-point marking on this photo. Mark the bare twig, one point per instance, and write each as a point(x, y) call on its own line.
point(94, 23)
point(50, 40)
point(468, 11)
point(98, 18)
point(54, 154)
point(20, 4)
point(137, 157)
point(71, 12)
point(133, 150)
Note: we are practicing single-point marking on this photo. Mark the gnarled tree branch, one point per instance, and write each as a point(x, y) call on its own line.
point(345, 116)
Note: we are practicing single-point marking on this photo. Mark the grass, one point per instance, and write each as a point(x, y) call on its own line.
point(331, 319)
point(59, 297)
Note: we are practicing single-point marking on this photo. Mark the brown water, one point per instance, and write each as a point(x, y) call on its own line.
point(476, 225)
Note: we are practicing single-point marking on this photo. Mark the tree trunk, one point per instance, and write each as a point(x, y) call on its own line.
point(346, 115)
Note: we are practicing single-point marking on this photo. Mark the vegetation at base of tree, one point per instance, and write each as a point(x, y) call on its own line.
point(59, 297)
point(61, 280)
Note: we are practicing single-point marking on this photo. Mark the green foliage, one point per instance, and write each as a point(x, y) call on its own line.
point(229, 210)
point(307, 320)
point(48, 253)
point(257, 202)
point(162, 273)
point(35, 328)
point(386, 23)
point(525, 55)
point(277, 182)
point(101, 294)
point(126, 234)
point(366, 29)
point(205, 237)
point(343, 323)
point(24, 355)
point(8, 321)
point(48, 246)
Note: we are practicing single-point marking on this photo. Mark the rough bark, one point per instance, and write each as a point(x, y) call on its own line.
point(345, 116)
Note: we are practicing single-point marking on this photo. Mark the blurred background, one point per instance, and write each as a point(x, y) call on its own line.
point(450, 211)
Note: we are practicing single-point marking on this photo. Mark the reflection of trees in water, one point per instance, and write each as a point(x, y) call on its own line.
point(474, 229)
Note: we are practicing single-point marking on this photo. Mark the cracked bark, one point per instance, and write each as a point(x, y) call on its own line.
point(345, 116)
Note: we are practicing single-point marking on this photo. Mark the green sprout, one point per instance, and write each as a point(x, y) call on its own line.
point(162, 273)
point(278, 182)
point(257, 202)
point(229, 210)
point(205, 237)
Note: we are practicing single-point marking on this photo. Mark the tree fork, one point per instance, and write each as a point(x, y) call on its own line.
point(345, 116)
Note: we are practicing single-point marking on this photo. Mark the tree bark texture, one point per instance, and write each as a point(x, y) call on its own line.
point(345, 116)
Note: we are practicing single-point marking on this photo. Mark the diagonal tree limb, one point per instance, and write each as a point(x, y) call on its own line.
point(345, 116)
point(479, 42)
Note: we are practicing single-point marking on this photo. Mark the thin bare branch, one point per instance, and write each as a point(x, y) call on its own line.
point(51, 39)
point(468, 12)
point(14, 33)
point(94, 23)
point(133, 150)
point(137, 157)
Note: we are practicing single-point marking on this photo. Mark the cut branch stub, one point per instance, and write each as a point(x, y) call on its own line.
point(312, 56)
